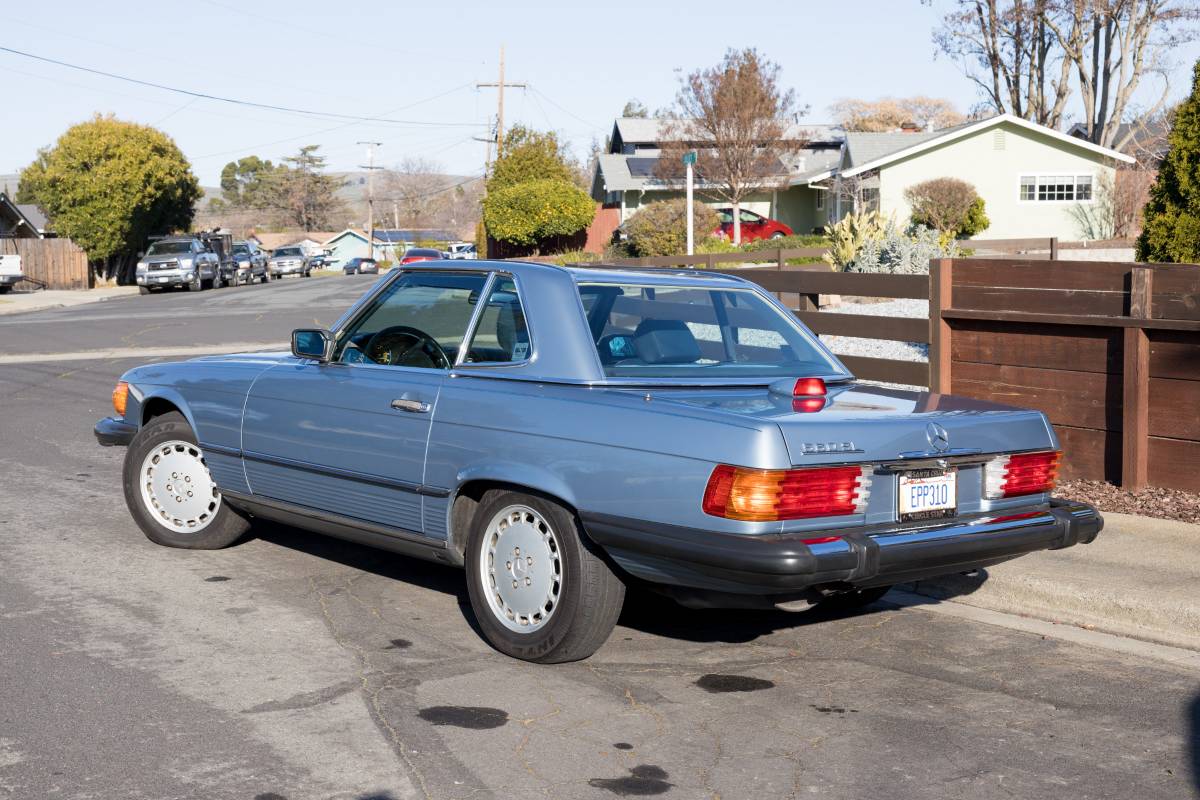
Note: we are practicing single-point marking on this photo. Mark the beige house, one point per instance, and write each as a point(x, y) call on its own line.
point(1034, 181)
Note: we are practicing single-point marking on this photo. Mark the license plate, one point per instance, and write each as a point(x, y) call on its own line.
point(162, 280)
point(928, 493)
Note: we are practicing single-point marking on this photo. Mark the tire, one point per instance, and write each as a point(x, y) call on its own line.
point(143, 290)
point(198, 526)
point(852, 601)
point(777, 235)
point(575, 599)
point(196, 285)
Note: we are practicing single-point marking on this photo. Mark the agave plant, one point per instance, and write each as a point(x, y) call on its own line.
point(848, 235)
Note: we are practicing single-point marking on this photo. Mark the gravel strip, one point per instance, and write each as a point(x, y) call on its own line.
point(879, 348)
point(1152, 501)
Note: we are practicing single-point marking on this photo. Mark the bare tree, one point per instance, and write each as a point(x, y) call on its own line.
point(1026, 56)
point(413, 187)
point(889, 113)
point(735, 115)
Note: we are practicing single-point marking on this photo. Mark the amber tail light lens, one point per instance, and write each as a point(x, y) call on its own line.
point(767, 495)
point(1021, 474)
point(120, 397)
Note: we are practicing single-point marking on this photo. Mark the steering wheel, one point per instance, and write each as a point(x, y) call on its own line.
point(402, 346)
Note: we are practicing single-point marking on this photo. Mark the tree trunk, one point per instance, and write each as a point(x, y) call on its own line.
point(737, 223)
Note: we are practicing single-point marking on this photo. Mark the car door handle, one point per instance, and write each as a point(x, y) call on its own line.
point(413, 406)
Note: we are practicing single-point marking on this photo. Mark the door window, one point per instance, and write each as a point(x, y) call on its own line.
point(501, 336)
point(420, 321)
point(750, 217)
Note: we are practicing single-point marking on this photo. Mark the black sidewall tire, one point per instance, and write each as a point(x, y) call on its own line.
point(575, 629)
point(224, 530)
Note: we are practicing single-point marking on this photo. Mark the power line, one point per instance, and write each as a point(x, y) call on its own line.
point(591, 125)
point(233, 101)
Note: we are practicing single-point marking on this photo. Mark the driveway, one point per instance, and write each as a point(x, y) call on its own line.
point(294, 666)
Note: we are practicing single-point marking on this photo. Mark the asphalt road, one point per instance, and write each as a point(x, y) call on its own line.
point(292, 666)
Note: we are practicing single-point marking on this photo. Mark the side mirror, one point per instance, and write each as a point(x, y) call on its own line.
point(312, 343)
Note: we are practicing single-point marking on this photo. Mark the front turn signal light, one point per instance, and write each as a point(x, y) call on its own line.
point(120, 397)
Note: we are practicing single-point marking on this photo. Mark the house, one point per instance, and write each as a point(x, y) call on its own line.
point(1032, 178)
point(626, 177)
point(389, 244)
point(21, 220)
point(313, 241)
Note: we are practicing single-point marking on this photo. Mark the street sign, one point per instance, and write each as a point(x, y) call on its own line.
point(689, 157)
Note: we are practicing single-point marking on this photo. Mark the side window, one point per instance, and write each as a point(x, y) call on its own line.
point(501, 336)
point(750, 216)
point(420, 321)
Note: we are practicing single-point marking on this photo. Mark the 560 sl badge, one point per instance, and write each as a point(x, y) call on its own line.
point(814, 448)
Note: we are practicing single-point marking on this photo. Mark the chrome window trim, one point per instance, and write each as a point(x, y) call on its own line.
point(470, 367)
point(464, 346)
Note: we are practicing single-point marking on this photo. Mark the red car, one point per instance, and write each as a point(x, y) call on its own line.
point(754, 226)
point(413, 254)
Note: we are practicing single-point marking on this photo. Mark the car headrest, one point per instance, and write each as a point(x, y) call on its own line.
point(665, 341)
point(511, 333)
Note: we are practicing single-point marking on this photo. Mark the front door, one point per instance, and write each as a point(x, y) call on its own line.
point(349, 437)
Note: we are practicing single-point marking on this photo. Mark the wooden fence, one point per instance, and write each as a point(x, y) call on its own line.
point(1109, 351)
point(56, 263)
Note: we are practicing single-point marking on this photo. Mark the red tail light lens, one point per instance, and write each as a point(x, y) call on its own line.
point(809, 387)
point(768, 495)
point(1021, 474)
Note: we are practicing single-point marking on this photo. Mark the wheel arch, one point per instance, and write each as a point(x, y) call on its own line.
point(475, 484)
point(163, 401)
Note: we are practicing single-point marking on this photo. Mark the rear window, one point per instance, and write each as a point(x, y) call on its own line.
point(422, 251)
point(288, 251)
point(648, 331)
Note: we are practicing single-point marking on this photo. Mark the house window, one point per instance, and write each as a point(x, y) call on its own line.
point(820, 200)
point(870, 200)
point(1056, 188)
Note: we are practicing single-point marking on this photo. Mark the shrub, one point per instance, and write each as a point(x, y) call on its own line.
point(715, 244)
point(847, 236)
point(948, 205)
point(660, 228)
point(576, 257)
point(531, 211)
point(902, 252)
point(787, 242)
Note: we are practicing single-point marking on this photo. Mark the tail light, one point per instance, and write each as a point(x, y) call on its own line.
point(1021, 474)
point(767, 495)
point(120, 397)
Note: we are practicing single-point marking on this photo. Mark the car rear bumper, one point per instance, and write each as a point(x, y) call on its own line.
point(861, 558)
point(114, 432)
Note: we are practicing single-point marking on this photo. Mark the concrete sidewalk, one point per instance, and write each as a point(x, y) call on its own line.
point(1140, 578)
point(21, 302)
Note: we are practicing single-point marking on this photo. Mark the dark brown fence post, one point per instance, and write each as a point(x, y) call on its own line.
point(1135, 414)
point(941, 271)
point(1054, 248)
point(779, 259)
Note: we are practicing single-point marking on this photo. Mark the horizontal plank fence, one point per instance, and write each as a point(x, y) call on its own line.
point(52, 263)
point(778, 256)
point(1044, 248)
point(1110, 352)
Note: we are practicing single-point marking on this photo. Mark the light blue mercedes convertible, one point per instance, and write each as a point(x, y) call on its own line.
point(563, 432)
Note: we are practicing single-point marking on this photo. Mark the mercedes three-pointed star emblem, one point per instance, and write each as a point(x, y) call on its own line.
point(937, 437)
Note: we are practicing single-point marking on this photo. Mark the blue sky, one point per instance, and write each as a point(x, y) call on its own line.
point(420, 62)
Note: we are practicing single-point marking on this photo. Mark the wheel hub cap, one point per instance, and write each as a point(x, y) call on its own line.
point(177, 488)
point(521, 568)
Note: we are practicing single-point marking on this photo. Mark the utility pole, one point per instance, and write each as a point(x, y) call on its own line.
point(500, 86)
point(370, 168)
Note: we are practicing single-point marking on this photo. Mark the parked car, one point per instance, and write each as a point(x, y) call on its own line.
point(318, 261)
point(251, 263)
point(289, 260)
point(363, 265)
point(462, 250)
point(754, 226)
point(415, 254)
point(563, 432)
point(177, 261)
point(10, 272)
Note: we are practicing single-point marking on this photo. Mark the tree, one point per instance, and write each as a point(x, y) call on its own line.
point(635, 110)
point(415, 186)
point(1171, 221)
point(734, 115)
point(889, 113)
point(532, 212)
point(949, 206)
point(249, 182)
point(660, 228)
point(1025, 56)
point(304, 193)
point(108, 185)
point(530, 155)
